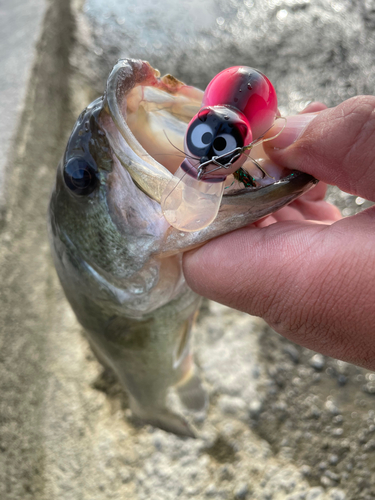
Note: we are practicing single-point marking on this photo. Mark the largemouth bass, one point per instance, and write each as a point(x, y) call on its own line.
point(118, 259)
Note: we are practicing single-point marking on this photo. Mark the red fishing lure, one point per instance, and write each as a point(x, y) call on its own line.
point(238, 107)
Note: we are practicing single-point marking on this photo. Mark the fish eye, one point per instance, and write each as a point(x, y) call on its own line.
point(201, 136)
point(224, 143)
point(80, 177)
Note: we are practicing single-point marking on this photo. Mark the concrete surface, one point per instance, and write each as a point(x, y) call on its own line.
point(283, 422)
point(20, 28)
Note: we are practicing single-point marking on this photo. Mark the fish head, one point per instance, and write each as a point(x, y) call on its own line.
point(86, 208)
point(103, 230)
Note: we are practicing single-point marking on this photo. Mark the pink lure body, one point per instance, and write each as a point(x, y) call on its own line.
point(238, 106)
point(247, 90)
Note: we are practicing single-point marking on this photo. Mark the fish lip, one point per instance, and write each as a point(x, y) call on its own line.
point(150, 175)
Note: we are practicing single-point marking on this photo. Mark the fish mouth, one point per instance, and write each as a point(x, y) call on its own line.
point(145, 117)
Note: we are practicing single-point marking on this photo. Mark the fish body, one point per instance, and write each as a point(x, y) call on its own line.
point(117, 258)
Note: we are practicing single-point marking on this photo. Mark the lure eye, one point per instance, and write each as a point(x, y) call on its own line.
point(224, 143)
point(202, 136)
point(80, 177)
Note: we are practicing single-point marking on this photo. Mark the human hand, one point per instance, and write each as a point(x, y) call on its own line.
point(305, 270)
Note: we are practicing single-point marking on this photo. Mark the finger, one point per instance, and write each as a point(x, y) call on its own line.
point(270, 219)
point(300, 209)
point(314, 107)
point(310, 206)
point(335, 145)
point(308, 281)
point(289, 212)
point(317, 193)
point(317, 210)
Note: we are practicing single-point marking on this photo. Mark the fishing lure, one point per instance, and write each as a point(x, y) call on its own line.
point(239, 106)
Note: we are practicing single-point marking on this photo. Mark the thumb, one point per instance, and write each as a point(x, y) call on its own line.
point(336, 146)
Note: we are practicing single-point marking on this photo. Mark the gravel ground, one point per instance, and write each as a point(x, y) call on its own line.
point(283, 422)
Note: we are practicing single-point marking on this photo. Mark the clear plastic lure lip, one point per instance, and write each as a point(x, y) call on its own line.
point(190, 204)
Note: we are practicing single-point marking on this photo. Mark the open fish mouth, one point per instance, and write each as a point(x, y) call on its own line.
point(145, 118)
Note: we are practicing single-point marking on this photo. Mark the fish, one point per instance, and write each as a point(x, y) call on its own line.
point(117, 258)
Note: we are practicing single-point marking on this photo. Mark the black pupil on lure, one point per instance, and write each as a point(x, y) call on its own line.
point(206, 138)
point(80, 177)
point(220, 143)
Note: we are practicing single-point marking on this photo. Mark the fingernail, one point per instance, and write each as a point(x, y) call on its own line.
point(290, 131)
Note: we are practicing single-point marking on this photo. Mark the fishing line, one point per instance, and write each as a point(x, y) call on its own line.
point(180, 150)
point(260, 141)
point(179, 180)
